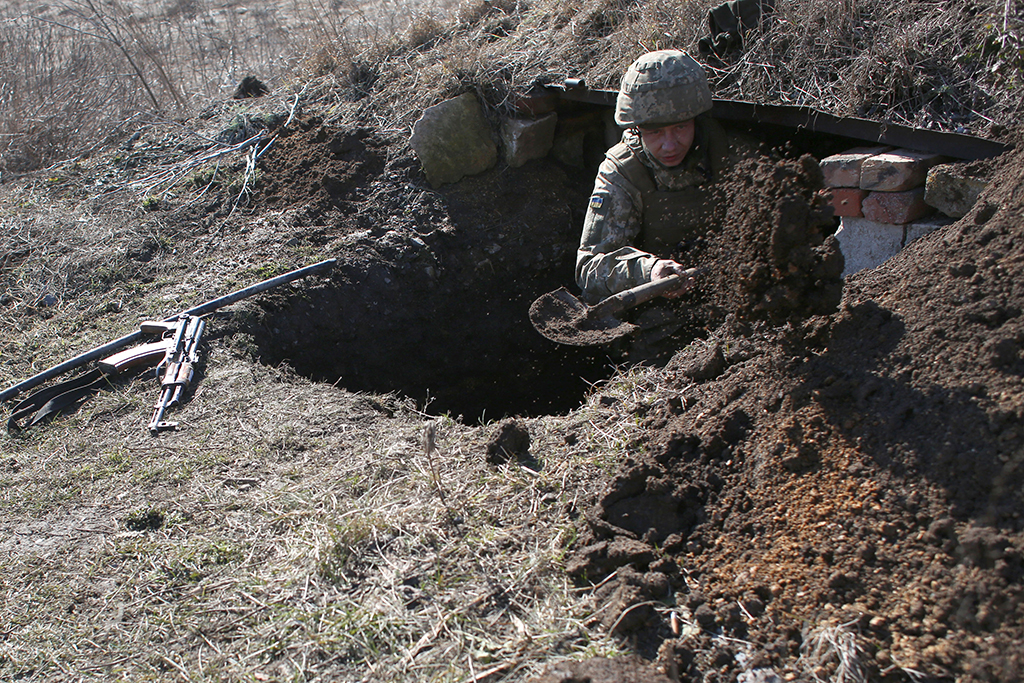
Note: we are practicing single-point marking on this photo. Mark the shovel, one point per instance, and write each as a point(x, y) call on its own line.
point(563, 318)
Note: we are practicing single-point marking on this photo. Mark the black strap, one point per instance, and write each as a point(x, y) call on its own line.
point(52, 400)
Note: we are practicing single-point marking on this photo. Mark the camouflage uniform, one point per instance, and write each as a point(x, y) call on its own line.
point(641, 210)
point(621, 240)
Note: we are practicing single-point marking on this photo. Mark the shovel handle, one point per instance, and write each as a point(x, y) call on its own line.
point(638, 295)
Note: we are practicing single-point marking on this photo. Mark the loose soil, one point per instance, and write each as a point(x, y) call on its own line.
point(856, 475)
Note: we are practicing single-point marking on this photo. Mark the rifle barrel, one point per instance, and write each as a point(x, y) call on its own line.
point(128, 339)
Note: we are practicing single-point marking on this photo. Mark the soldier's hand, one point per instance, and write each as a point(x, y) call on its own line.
point(666, 268)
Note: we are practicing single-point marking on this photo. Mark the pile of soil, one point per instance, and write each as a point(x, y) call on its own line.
point(320, 169)
point(838, 496)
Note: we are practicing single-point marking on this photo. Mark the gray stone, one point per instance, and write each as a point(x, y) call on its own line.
point(568, 149)
point(922, 228)
point(452, 140)
point(527, 139)
point(951, 190)
point(866, 244)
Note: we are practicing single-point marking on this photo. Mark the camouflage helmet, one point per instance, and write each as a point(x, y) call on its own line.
point(661, 88)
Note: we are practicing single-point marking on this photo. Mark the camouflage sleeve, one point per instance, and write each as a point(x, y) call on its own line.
point(606, 261)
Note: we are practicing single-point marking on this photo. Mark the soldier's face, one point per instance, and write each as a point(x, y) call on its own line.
point(669, 144)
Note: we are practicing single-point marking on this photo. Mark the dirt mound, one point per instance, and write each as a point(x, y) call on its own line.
point(769, 254)
point(319, 167)
point(601, 670)
point(840, 497)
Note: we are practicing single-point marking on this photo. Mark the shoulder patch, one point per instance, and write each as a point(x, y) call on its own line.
point(596, 202)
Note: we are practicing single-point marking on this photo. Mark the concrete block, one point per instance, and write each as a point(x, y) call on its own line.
point(843, 170)
point(866, 243)
point(895, 207)
point(896, 171)
point(846, 200)
point(952, 190)
point(453, 139)
point(921, 228)
point(526, 139)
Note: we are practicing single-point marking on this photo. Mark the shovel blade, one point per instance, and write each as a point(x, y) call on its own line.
point(564, 319)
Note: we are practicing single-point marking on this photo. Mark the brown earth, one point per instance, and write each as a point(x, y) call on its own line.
point(859, 472)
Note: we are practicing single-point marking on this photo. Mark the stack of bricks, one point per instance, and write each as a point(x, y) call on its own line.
point(879, 195)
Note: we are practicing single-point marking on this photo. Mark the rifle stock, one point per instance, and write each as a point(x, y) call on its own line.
point(143, 355)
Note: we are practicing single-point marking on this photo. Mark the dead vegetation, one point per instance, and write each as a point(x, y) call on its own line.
point(295, 530)
point(298, 533)
point(948, 66)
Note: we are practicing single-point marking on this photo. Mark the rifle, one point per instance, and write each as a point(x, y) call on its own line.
point(145, 353)
point(177, 365)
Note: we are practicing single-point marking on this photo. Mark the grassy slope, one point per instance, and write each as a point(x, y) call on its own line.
point(266, 543)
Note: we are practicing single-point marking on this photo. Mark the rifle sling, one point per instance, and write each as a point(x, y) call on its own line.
point(52, 400)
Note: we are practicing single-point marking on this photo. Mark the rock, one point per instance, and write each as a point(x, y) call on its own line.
point(250, 87)
point(866, 243)
point(952, 191)
point(568, 149)
point(527, 139)
point(452, 140)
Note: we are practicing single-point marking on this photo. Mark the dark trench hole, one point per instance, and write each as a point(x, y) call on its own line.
point(474, 354)
point(442, 315)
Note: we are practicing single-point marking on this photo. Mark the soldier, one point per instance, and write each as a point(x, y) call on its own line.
point(653, 189)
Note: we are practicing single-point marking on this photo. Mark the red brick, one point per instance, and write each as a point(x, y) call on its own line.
point(843, 170)
point(895, 207)
point(846, 200)
point(896, 171)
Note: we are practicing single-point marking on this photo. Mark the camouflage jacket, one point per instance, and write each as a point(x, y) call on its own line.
point(607, 260)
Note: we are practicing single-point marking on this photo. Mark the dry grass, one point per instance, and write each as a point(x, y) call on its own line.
point(832, 654)
point(291, 531)
point(79, 73)
point(949, 67)
point(917, 63)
